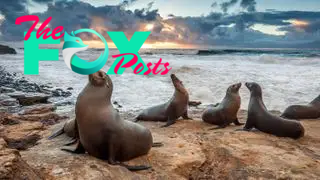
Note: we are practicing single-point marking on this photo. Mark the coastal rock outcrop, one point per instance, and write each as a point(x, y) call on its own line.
point(7, 50)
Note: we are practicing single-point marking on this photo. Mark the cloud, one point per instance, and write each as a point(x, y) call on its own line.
point(226, 5)
point(216, 28)
point(249, 5)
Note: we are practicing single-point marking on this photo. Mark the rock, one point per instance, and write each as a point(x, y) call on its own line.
point(12, 166)
point(60, 93)
point(23, 135)
point(7, 50)
point(194, 103)
point(26, 99)
point(49, 118)
point(4, 120)
point(6, 100)
point(6, 90)
point(38, 109)
point(70, 88)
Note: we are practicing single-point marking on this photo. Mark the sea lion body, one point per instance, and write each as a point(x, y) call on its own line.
point(170, 111)
point(309, 111)
point(261, 119)
point(225, 113)
point(102, 132)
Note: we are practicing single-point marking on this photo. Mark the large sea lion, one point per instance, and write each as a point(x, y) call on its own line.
point(225, 112)
point(170, 111)
point(102, 133)
point(309, 111)
point(261, 119)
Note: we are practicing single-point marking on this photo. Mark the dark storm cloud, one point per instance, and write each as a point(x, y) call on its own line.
point(249, 5)
point(216, 28)
point(73, 15)
point(226, 5)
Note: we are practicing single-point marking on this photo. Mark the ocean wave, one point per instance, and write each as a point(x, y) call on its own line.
point(281, 52)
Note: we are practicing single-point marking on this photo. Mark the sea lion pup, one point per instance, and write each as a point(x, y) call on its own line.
point(170, 111)
point(261, 119)
point(69, 128)
point(309, 111)
point(102, 133)
point(225, 113)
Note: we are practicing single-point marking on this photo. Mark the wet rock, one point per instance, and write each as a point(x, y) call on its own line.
point(6, 100)
point(194, 103)
point(12, 166)
point(26, 99)
point(70, 88)
point(61, 93)
point(7, 50)
point(6, 90)
point(117, 104)
point(22, 136)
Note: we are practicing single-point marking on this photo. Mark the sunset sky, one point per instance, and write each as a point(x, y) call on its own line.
point(177, 23)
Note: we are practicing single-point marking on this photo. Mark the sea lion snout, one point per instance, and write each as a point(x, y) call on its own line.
point(237, 86)
point(174, 77)
point(99, 78)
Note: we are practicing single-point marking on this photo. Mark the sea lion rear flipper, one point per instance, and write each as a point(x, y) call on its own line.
point(57, 133)
point(129, 167)
point(157, 144)
point(72, 141)
point(169, 123)
point(236, 122)
point(77, 148)
point(185, 116)
point(220, 127)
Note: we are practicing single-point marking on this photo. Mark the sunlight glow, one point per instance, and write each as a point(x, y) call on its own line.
point(268, 29)
point(298, 23)
point(149, 27)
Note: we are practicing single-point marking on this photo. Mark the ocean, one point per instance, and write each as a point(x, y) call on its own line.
point(287, 76)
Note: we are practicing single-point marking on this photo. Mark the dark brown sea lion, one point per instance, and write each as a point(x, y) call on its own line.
point(225, 112)
point(170, 111)
point(261, 119)
point(309, 111)
point(102, 133)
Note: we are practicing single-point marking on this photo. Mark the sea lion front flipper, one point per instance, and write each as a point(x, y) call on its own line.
point(77, 148)
point(236, 122)
point(185, 116)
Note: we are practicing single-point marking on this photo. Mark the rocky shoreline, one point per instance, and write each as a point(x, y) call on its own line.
point(190, 151)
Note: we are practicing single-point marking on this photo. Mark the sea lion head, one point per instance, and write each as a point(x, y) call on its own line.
point(100, 79)
point(234, 88)
point(178, 84)
point(254, 88)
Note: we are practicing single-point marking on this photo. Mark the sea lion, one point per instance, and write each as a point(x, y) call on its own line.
point(69, 128)
point(225, 113)
point(309, 111)
point(261, 119)
point(170, 111)
point(102, 133)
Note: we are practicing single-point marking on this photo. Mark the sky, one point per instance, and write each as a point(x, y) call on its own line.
point(180, 23)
